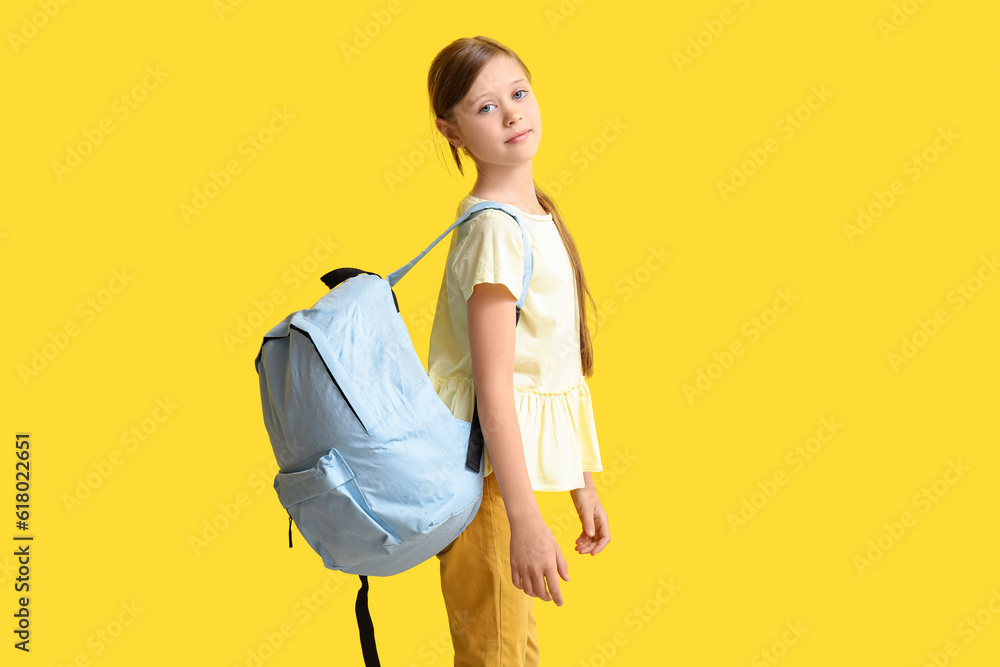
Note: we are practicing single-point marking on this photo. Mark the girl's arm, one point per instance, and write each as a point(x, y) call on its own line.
point(534, 553)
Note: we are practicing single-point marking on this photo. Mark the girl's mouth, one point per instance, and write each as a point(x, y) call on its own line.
point(519, 138)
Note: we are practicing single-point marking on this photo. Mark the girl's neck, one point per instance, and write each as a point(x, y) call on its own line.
point(516, 189)
point(531, 205)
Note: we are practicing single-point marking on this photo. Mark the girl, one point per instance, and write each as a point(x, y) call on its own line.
point(540, 436)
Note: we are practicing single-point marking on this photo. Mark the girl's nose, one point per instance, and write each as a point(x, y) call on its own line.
point(513, 117)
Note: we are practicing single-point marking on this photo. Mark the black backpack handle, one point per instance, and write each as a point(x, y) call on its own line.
point(337, 276)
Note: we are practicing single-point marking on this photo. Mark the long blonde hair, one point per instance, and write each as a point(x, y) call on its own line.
point(451, 75)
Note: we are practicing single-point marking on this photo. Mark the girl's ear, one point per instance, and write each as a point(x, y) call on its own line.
point(445, 128)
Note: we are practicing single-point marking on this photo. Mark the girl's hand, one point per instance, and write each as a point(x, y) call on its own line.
point(535, 558)
point(596, 532)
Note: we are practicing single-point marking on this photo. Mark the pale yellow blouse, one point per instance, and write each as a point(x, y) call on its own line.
point(551, 395)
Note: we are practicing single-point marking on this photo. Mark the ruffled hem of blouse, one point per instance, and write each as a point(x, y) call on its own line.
point(557, 429)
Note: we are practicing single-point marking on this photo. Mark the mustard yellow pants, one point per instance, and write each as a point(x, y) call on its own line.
point(492, 622)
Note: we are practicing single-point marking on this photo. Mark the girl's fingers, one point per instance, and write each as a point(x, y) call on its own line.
point(554, 594)
point(562, 566)
point(594, 545)
point(538, 584)
point(604, 535)
point(527, 587)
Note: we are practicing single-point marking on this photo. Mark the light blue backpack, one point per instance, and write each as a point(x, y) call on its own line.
point(375, 471)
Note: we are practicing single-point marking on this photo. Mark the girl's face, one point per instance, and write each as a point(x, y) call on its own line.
point(499, 106)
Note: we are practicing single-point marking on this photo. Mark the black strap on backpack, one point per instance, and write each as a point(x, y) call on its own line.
point(365, 626)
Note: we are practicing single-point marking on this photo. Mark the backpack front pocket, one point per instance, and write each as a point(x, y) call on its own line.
point(332, 513)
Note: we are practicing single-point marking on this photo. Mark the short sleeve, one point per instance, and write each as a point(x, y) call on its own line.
point(491, 251)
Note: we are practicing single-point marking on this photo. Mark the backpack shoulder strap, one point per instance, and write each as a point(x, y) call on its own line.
point(473, 211)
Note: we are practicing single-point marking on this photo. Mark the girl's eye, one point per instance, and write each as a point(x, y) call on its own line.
point(516, 98)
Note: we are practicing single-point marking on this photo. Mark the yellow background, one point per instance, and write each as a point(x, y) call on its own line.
point(125, 552)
